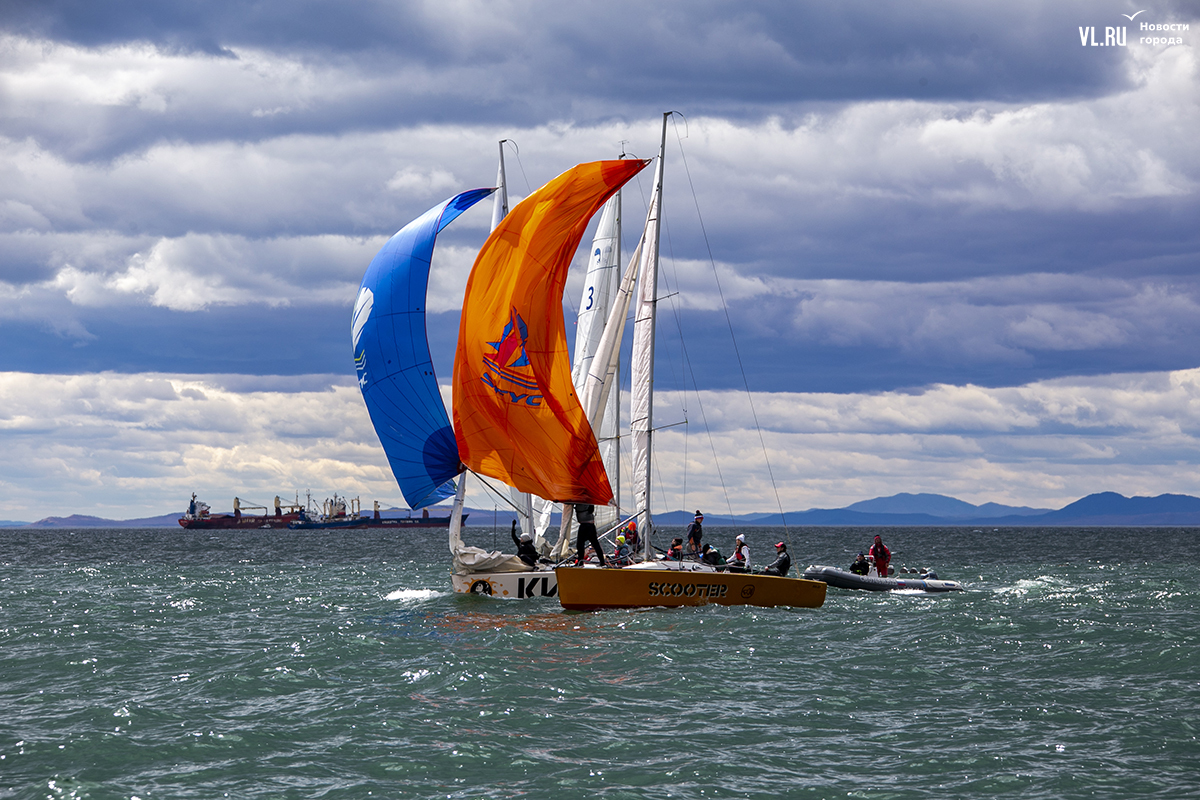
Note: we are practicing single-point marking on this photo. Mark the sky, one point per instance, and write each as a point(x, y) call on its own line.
point(928, 247)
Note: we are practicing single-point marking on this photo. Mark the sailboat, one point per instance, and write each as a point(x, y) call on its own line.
point(650, 582)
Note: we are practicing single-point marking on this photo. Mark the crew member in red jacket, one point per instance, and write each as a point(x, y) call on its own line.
point(881, 556)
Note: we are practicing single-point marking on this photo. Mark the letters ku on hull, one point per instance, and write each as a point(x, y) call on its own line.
point(591, 589)
point(508, 585)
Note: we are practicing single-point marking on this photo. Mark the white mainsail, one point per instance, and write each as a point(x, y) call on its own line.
point(641, 414)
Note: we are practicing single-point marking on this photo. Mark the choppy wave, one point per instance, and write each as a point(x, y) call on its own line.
point(271, 665)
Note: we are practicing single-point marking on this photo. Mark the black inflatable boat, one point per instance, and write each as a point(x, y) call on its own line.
point(843, 579)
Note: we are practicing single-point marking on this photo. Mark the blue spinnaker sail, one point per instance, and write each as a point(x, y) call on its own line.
point(391, 354)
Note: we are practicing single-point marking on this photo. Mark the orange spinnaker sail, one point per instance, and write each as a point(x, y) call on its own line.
point(516, 416)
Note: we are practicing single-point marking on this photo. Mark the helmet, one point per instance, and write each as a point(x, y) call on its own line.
point(525, 537)
point(620, 540)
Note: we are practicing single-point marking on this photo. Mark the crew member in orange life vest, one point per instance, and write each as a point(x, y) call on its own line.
point(630, 533)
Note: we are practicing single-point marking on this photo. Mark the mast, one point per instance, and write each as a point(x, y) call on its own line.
point(499, 212)
point(460, 494)
point(616, 403)
point(641, 417)
point(500, 203)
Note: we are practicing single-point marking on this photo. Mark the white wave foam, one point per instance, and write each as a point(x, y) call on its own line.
point(413, 594)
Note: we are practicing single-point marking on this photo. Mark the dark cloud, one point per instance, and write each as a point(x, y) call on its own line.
point(231, 340)
point(996, 203)
point(377, 65)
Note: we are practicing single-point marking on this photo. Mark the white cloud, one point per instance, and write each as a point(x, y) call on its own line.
point(135, 445)
point(435, 182)
point(196, 271)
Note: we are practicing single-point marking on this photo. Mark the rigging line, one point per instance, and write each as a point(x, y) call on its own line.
point(686, 437)
point(704, 421)
point(517, 152)
point(686, 360)
point(661, 490)
point(729, 322)
point(667, 271)
point(503, 496)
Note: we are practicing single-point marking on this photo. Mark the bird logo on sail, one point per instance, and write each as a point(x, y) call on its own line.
point(508, 370)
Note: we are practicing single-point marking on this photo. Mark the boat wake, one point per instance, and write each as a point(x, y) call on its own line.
point(1043, 584)
point(414, 594)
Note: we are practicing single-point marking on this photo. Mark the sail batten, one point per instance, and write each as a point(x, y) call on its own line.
point(517, 417)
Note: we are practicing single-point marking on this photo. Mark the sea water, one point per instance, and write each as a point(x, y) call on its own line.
point(275, 664)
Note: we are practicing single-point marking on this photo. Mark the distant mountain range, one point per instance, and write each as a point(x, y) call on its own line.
point(1103, 509)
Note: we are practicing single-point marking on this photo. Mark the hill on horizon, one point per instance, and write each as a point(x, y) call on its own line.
point(939, 505)
point(1099, 509)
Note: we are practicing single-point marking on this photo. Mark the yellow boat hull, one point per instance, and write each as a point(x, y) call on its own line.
point(588, 589)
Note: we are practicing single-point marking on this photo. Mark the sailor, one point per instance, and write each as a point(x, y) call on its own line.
point(881, 556)
point(623, 554)
point(740, 560)
point(711, 555)
point(630, 532)
point(675, 551)
point(525, 549)
point(586, 513)
point(861, 566)
point(782, 562)
point(695, 531)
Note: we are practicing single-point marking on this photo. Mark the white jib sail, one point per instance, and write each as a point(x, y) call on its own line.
point(641, 414)
point(599, 288)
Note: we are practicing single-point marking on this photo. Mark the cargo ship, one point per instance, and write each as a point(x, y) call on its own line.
point(198, 516)
point(340, 513)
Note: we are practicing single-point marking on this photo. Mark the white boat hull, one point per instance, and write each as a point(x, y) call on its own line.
point(508, 585)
